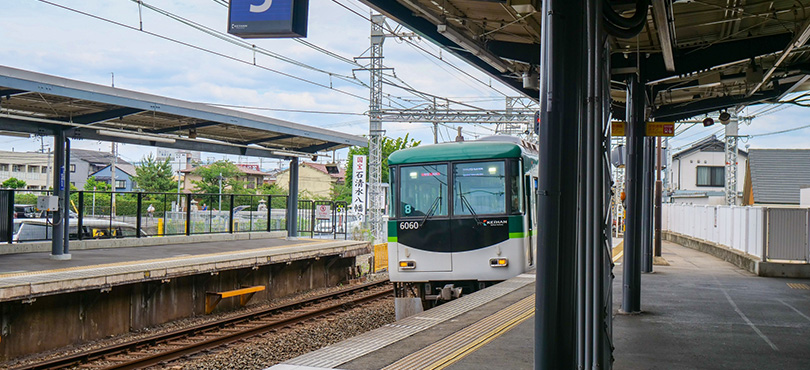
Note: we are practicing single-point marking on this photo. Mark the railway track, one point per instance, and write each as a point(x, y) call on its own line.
point(167, 347)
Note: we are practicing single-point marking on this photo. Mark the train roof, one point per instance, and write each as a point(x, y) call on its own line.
point(456, 151)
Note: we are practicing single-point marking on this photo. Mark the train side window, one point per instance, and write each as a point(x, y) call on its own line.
point(515, 185)
point(392, 193)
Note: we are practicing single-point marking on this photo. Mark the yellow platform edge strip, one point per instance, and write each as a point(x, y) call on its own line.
point(480, 342)
point(470, 338)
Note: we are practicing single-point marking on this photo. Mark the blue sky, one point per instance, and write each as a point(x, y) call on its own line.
point(44, 38)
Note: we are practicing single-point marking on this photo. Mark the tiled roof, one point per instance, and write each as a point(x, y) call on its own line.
point(341, 174)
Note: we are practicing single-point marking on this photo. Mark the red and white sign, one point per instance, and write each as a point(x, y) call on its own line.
point(323, 212)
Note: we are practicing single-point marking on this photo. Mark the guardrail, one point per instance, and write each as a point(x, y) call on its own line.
point(101, 215)
point(770, 233)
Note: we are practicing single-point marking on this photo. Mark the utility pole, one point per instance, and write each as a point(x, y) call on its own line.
point(375, 131)
point(732, 132)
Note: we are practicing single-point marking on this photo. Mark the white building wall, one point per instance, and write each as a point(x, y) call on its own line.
point(684, 170)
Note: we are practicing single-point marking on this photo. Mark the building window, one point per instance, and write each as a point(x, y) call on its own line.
point(3, 167)
point(18, 168)
point(72, 168)
point(44, 169)
point(33, 169)
point(120, 184)
point(711, 176)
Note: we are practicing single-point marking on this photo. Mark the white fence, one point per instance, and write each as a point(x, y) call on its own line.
point(740, 228)
point(770, 233)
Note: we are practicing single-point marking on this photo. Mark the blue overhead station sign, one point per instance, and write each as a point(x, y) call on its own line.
point(268, 18)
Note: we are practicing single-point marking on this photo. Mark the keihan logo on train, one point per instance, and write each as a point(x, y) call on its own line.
point(494, 222)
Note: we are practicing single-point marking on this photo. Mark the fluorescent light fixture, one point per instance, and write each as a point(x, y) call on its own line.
point(473, 48)
point(413, 175)
point(289, 153)
point(135, 136)
point(14, 134)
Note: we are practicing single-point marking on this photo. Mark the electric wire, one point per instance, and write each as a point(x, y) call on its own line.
point(241, 43)
point(203, 49)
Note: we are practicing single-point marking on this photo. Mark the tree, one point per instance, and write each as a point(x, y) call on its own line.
point(209, 184)
point(154, 176)
point(93, 184)
point(389, 146)
point(14, 183)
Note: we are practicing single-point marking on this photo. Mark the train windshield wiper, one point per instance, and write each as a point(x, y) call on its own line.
point(466, 202)
point(432, 209)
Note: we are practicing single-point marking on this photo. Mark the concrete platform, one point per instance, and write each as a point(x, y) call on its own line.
point(31, 275)
point(699, 313)
point(47, 304)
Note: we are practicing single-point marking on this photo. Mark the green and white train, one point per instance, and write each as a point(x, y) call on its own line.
point(461, 213)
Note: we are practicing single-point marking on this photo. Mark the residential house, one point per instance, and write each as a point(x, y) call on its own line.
point(250, 174)
point(698, 174)
point(84, 163)
point(123, 176)
point(776, 176)
point(36, 169)
point(314, 179)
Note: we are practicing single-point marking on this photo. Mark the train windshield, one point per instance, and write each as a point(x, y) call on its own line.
point(423, 190)
point(479, 188)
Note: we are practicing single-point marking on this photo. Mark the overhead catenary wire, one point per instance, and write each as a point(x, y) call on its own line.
point(203, 49)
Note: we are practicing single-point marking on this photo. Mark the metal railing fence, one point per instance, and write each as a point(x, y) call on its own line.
point(105, 214)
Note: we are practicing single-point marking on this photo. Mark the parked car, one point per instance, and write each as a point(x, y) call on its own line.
point(25, 211)
point(40, 229)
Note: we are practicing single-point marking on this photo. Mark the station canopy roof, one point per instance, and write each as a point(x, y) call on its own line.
point(697, 56)
point(43, 104)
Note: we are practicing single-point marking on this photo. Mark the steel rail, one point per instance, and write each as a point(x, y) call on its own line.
point(210, 328)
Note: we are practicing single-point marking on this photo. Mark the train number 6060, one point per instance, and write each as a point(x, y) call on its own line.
point(408, 225)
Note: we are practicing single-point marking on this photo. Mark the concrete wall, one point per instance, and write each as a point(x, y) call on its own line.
point(71, 319)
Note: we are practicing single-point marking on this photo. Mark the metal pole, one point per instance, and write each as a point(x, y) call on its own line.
point(631, 280)
point(561, 95)
point(292, 200)
point(220, 191)
point(659, 187)
point(66, 204)
point(57, 252)
point(80, 215)
point(138, 210)
point(646, 210)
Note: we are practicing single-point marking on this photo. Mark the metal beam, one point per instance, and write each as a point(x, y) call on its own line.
point(683, 111)
point(316, 148)
point(699, 58)
point(663, 21)
point(796, 42)
point(526, 53)
point(267, 139)
point(456, 116)
point(427, 29)
point(91, 118)
point(183, 127)
point(10, 92)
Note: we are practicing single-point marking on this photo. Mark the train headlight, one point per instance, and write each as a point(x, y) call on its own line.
point(498, 262)
point(407, 265)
